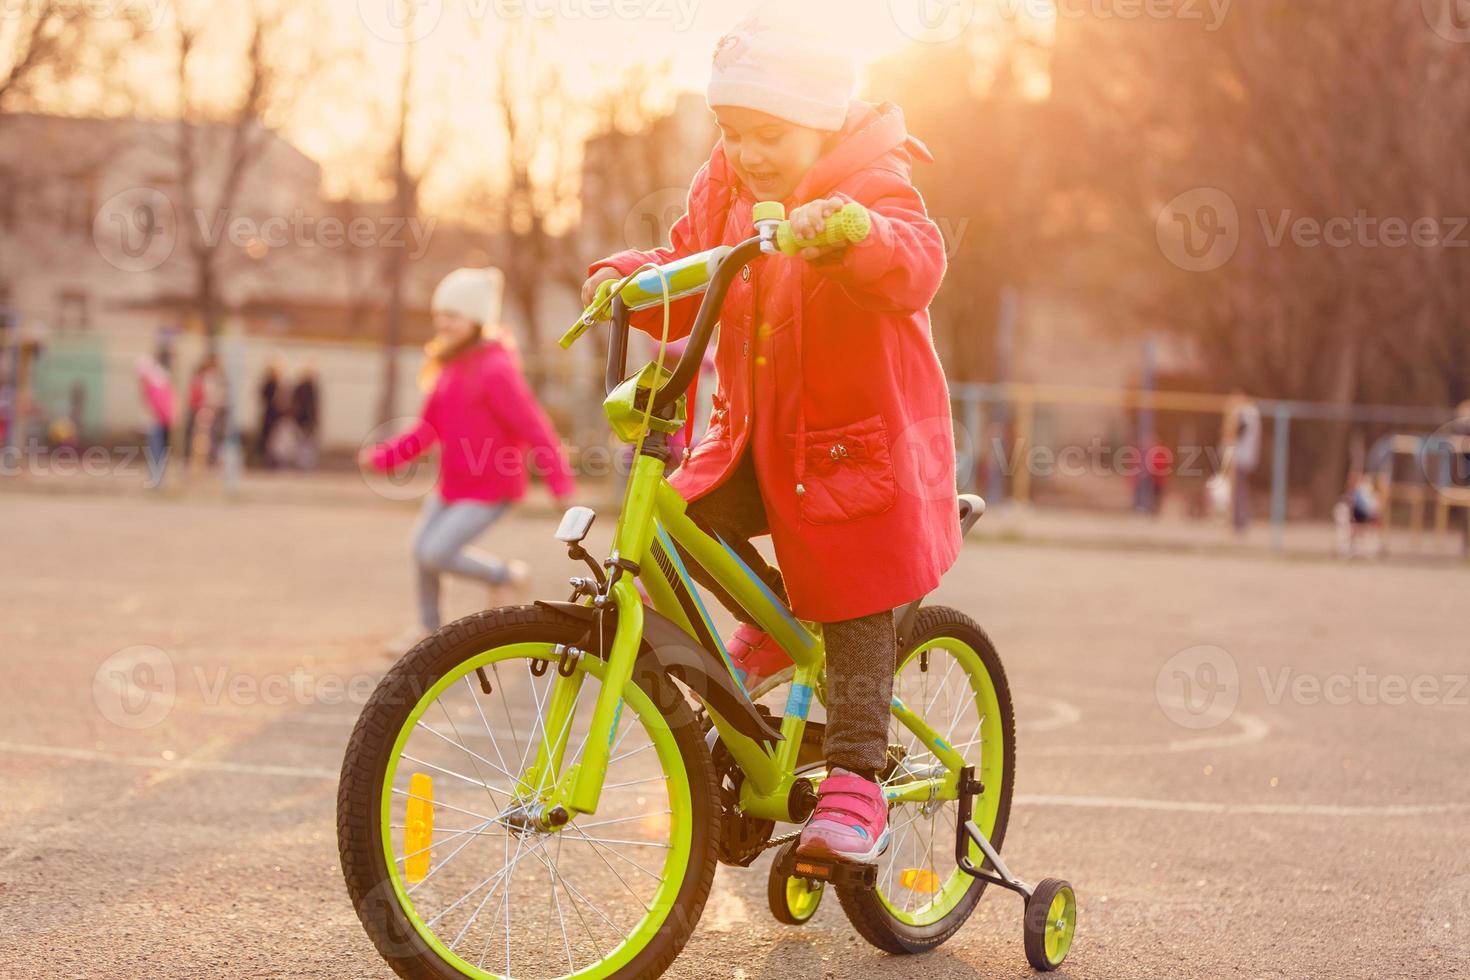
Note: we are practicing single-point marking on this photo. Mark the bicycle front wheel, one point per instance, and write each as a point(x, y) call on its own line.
point(949, 674)
point(452, 866)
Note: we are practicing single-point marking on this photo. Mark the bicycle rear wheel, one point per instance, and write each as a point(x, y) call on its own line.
point(447, 867)
point(952, 677)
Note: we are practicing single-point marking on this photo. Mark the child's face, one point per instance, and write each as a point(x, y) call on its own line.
point(452, 327)
point(770, 155)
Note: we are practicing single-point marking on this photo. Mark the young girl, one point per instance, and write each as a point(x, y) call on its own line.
point(831, 428)
point(478, 406)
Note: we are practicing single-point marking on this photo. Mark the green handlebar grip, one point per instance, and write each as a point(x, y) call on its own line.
point(847, 227)
point(599, 310)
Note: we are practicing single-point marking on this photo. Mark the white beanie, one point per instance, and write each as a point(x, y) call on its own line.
point(779, 61)
point(474, 294)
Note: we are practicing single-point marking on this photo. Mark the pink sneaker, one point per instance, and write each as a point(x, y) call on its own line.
point(756, 656)
point(850, 822)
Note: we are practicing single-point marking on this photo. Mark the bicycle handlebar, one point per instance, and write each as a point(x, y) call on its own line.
point(711, 271)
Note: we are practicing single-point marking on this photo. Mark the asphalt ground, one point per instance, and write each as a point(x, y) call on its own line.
point(1249, 767)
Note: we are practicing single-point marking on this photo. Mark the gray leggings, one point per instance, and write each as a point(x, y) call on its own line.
point(861, 653)
point(440, 538)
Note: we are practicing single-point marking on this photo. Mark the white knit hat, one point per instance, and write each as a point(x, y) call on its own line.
point(779, 61)
point(474, 294)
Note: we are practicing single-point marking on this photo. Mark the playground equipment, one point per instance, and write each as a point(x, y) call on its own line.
point(1438, 480)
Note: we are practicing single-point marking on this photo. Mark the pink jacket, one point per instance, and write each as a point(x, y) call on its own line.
point(828, 374)
point(484, 417)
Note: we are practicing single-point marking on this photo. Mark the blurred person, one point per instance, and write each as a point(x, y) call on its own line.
point(857, 530)
point(304, 412)
point(1359, 517)
point(269, 393)
point(157, 391)
point(1240, 453)
point(1153, 477)
point(478, 403)
point(208, 397)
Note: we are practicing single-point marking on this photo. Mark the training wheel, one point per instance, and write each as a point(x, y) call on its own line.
point(793, 900)
point(1051, 921)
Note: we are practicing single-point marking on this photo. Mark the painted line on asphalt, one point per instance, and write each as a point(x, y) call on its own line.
point(1021, 799)
point(1262, 809)
point(149, 762)
point(1063, 713)
point(1252, 729)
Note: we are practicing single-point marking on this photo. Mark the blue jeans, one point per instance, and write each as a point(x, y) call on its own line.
point(440, 544)
point(157, 453)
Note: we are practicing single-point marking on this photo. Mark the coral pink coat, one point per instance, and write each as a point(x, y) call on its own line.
point(827, 371)
point(485, 418)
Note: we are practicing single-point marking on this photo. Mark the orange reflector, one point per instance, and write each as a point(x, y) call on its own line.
point(919, 880)
point(418, 834)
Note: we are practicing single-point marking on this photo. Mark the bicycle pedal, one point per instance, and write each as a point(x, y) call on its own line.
point(829, 871)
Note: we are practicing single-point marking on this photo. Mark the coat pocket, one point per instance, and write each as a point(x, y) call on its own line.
point(849, 472)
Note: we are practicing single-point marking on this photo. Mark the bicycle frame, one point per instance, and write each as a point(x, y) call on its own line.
point(652, 521)
point(654, 518)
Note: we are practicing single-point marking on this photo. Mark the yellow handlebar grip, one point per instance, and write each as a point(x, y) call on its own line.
point(600, 309)
point(847, 227)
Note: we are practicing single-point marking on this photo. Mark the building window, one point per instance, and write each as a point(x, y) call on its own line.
point(71, 311)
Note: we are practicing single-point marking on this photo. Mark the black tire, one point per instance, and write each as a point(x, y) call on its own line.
point(864, 909)
point(1037, 908)
point(363, 864)
point(776, 890)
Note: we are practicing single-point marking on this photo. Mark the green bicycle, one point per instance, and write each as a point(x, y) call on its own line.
point(545, 790)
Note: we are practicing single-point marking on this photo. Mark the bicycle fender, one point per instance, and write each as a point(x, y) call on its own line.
point(677, 654)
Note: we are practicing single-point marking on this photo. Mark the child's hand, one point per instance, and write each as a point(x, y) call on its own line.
point(589, 288)
point(810, 220)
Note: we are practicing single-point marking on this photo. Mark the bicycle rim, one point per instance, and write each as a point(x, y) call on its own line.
point(579, 902)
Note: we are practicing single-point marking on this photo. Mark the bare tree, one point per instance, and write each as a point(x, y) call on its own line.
point(215, 152)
